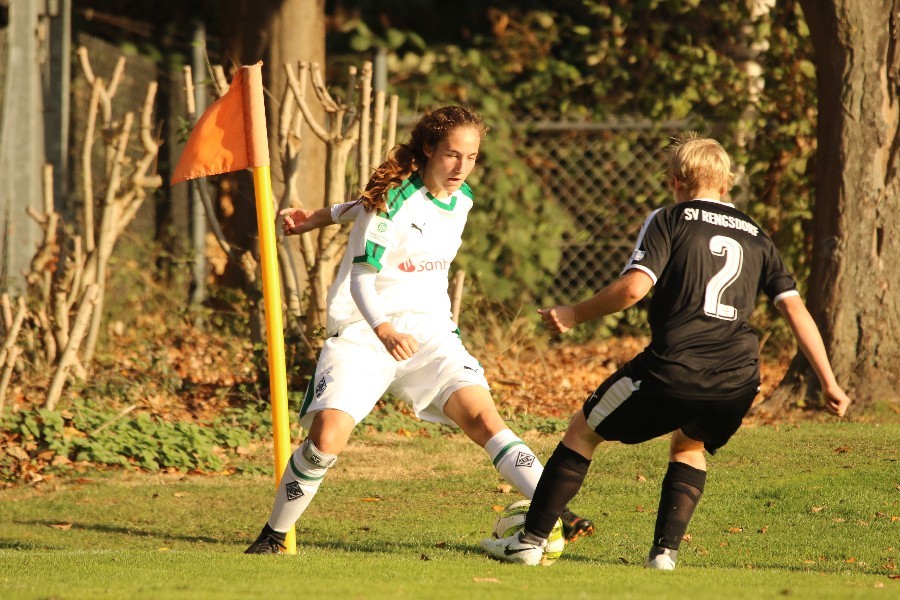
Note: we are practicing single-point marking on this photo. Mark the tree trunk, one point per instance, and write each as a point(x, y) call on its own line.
point(278, 32)
point(854, 288)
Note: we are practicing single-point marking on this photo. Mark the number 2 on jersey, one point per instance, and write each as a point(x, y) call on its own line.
point(733, 252)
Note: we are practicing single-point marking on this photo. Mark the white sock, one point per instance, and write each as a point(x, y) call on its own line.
point(299, 483)
point(515, 461)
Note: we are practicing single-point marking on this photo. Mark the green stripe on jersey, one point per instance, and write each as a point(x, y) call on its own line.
point(465, 189)
point(373, 255)
point(506, 450)
point(400, 194)
point(307, 399)
point(444, 205)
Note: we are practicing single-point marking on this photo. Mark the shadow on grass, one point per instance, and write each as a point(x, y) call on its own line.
point(123, 530)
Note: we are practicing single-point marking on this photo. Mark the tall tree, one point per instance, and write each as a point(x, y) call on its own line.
point(854, 288)
point(278, 32)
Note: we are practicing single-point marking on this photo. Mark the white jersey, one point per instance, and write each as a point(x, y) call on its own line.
point(411, 246)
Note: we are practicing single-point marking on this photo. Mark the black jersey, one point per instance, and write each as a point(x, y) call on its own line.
point(708, 262)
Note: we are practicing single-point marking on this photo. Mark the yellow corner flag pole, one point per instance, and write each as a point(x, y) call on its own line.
point(229, 136)
point(265, 216)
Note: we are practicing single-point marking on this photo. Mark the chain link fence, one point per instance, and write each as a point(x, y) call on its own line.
point(608, 176)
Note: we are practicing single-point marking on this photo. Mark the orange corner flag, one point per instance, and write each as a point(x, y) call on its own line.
point(231, 134)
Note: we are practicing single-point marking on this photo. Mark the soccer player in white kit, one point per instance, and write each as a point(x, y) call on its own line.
point(389, 327)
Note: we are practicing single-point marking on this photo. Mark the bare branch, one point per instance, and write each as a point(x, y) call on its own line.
point(8, 367)
point(392, 124)
point(377, 129)
point(365, 101)
point(87, 166)
point(14, 330)
point(322, 94)
point(69, 354)
point(189, 91)
point(301, 102)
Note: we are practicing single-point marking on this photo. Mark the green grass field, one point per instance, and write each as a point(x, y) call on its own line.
point(807, 511)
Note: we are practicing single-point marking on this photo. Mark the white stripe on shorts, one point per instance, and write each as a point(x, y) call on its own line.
point(611, 400)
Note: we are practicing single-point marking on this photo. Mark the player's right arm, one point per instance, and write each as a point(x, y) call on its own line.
point(369, 254)
point(300, 220)
point(810, 341)
point(619, 295)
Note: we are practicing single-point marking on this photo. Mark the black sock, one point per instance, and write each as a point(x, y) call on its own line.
point(562, 478)
point(278, 535)
point(681, 490)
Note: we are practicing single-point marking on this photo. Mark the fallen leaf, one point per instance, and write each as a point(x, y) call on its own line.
point(180, 494)
point(63, 526)
point(371, 499)
point(504, 488)
point(639, 509)
point(164, 549)
point(817, 509)
point(764, 529)
point(895, 576)
point(497, 508)
point(852, 559)
point(894, 518)
point(641, 479)
point(736, 529)
point(441, 545)
point(485, 580)
point(687, 537)
point(842, 449)
point(425, 557)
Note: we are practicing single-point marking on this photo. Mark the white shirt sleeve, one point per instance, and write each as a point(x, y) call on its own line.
point(346, 212)
point(362, 289)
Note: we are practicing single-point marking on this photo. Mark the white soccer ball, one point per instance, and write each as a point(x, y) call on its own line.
point(511, 520)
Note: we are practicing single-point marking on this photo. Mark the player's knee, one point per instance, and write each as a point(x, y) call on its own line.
point(315, 457)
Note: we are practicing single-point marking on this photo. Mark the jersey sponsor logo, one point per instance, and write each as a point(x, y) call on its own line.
point(425, 265)
point(417, 228)
point(638, 255)
point(293, 491)
point(524, 459)
point(320, 388)
point(382, 227)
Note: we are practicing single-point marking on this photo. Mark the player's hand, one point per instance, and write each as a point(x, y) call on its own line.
point(558, 319)
point(296, 220)
point(836, 401)
point(399, 345)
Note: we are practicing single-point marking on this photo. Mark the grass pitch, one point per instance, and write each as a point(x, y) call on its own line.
point(808, 511)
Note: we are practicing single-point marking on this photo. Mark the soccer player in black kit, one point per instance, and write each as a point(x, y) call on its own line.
point(698, 377)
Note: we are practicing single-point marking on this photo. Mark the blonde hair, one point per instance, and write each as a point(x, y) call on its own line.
point(700, 163)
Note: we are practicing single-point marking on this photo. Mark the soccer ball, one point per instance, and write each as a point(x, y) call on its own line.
point(511, 520)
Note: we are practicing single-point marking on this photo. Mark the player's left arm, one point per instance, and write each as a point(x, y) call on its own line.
point(810, 341)
point(618, 295)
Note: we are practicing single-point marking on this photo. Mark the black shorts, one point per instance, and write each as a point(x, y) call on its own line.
point(620, 411)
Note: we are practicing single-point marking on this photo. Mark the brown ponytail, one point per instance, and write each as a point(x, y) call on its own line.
point(404, 159)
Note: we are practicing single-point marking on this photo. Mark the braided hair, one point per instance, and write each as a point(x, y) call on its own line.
point(404, 159)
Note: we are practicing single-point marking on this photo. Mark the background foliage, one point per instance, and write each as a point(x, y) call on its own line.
point(589, 59)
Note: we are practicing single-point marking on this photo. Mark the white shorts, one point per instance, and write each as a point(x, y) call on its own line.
point(354, 370)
